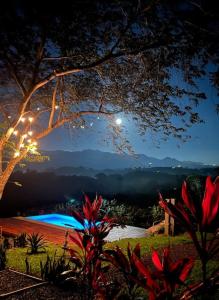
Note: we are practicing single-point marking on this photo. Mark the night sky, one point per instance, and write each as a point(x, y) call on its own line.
point(202, 147)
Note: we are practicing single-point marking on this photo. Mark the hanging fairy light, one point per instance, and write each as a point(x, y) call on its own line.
point(22, 119)
point(22, 145)
point(30, 119)
point(24, 136)
point(30, 132)
point(56, 107)
point(16, 154)
point(29, 141)
point(15, 132)
point(9, 117)
point(34, 143)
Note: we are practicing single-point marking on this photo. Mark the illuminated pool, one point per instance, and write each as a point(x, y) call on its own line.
point(59, 220)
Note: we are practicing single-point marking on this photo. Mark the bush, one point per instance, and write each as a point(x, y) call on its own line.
point(3, 258)
point(35, 242)
point(21, 240)
point(53, 267)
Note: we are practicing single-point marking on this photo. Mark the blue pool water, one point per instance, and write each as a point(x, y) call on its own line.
point(59, 220)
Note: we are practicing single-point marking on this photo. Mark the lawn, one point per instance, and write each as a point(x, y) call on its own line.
point(16, 257)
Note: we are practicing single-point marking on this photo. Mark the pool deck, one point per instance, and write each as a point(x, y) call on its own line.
point(56, 234)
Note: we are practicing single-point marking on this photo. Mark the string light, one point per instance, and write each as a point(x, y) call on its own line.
point(82, 126)
point(22, 119)
point(30, 133)
point(15, 132)
point(9, 117)
point(11, 129)
point(29, 141)
point(30, 119)
point(91, 124)
point(16, 154)
point(34, 143)
point(56, 107)
point(24, 136)
point(38, 108)
point(21, 145)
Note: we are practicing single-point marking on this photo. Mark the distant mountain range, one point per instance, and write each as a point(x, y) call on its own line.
point(98, 160)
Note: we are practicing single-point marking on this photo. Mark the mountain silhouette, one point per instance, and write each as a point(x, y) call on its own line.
point(98, 160)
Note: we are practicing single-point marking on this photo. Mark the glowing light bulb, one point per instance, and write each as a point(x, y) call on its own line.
point(21, 145)
point(24, 136)
point(91, 124)
point(118, 121)
point(38, 108)
point(11, 129)
point(34, 143)
point(30, 119)
point(15, 132)
point(29, 141)
point(82, 126)
point(30, 133)
point(16, 154)
point(56, 107)
point(9, 117)
point(22, 119)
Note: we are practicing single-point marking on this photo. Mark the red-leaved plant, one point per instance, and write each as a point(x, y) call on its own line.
point(89, 241)
point(125, 264)
point(160, 284)
point(202, 215)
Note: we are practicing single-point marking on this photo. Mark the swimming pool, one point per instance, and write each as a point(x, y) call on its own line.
point(59, 220)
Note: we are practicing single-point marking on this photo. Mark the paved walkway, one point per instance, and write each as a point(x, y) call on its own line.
point(56, 234)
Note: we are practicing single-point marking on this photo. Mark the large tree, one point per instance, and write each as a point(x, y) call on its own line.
point(72, 60)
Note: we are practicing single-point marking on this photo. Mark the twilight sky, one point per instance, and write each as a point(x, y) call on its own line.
point(202, 147)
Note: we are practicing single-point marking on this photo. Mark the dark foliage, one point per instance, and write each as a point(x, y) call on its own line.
point(35, 243)
point(53, 267)
point(3, 258)
point(21, 240)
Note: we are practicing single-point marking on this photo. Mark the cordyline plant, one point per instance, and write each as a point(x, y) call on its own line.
point(87, 257)
point(202, 215)
point(126, 265)
point(160, 284)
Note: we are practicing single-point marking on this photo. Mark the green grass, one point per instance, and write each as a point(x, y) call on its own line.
point(16, 256)
point(157, 241)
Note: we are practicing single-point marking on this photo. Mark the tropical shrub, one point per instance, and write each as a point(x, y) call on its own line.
point(3, 258)
point(127, 267)
point(21, 240)
point(199, 216)
point(53, 267)
point(87, 257)
point(35, 243)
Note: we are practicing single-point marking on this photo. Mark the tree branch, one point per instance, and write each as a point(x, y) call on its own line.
point(15, 75)
point(51, 117)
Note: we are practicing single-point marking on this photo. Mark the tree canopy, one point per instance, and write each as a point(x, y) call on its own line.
point(69, 61)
